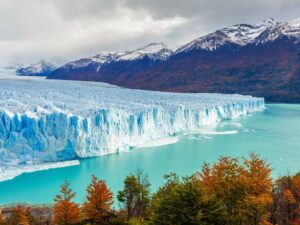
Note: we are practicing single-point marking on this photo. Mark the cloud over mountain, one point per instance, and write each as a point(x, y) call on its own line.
point(35, 29)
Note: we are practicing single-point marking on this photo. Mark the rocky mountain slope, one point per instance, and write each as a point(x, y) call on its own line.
point(261, 60)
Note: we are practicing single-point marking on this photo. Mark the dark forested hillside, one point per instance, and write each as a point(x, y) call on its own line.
point(260, 60)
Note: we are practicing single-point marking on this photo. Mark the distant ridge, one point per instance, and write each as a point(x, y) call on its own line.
point(41, 68)
point(261, 59)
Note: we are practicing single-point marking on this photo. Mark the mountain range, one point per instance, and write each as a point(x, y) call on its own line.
point(261, 60)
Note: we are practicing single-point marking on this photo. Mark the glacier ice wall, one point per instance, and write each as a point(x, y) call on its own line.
point(46, 121)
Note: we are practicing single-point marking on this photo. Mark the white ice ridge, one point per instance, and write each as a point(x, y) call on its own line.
point(10, 172)
point(48, 120)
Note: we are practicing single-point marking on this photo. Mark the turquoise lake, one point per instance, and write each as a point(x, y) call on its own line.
point(273, 133)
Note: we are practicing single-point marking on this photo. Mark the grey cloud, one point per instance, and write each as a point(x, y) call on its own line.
point(87, 9)
point(213, 8)
point(33, 29)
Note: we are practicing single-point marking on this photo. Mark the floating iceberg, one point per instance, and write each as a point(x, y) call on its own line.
point(49, 121)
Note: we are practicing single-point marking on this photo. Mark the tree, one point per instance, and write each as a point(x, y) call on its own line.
point(286, 205)
point(99, 201)
point(258, 190)
point(66, 212)
point(135, 195)
point(223, 181)
point(185, 202)
point(244, 188)
point(296, 192)
point(20, 216)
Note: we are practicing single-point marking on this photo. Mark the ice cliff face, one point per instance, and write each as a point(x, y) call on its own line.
point(47, 120)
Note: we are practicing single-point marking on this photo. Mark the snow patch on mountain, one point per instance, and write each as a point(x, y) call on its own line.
point(282, 29)
point(99, 59)
point(154, 51)
point(243, 34)
point(41, 68)
point(237, 36)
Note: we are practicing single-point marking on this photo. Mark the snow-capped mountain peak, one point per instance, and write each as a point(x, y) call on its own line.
point(292, 28)
point(280, 29)
point(209, 42)
point(41, 68)
point(103, 57)
point(295, 23)
point(152, 48)
point(243, 34)
point(99, 59)
point(155, 51)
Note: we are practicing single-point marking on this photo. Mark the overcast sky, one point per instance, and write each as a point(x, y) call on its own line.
point(42, 29)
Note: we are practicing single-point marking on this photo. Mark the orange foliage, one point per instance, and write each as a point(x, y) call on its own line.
point(289, 197)
point(245, 189)
point(21, 215)
point(99, 201)
point(66, 212)
point(296, 183)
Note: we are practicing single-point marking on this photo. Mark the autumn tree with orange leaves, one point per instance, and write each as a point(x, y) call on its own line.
point(20, 216)
point(66, 212)
point(286, 195)
point(232, 191)
point(244, 188)
point(98, 202)
point(258, 190)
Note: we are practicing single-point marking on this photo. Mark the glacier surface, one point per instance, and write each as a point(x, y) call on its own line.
point(44, 121)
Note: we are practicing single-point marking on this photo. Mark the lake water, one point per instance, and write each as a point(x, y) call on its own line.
point(274, 134)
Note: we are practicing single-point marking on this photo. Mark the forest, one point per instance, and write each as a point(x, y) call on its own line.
point(231, 191)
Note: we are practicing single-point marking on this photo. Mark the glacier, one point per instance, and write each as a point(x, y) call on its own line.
point(43, 121)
